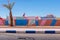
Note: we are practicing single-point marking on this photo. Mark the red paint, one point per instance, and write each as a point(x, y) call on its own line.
point(2, 21)
point(57, 23)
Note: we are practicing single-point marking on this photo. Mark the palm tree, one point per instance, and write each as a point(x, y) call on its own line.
point(9, 7)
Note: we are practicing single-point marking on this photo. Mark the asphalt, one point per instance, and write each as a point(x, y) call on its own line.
point(18, 36)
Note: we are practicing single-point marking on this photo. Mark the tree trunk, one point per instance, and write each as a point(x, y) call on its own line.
point(11, 18)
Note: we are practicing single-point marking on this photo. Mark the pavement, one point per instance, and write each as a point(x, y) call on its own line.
point(18, 36)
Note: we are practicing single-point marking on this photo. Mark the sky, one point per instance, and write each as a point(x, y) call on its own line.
point(31, 8)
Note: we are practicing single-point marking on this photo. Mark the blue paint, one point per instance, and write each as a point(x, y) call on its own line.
point(31, 31)
point(6, 22)
point(36, 22)
point(50, 32)
point(53, 22)
point(11, 31)
point(21, 22)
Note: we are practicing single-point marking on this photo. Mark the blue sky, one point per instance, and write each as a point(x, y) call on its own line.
point(31, 8)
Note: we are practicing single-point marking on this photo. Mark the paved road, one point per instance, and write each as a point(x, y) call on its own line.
point(9, 36)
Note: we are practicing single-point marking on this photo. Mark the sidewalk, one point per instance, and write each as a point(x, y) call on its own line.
point(34, 27)
point(29, 30)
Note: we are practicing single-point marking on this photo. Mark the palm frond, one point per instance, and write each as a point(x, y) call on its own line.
point(9, 6)
point(12, 4)
point(6, 6)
